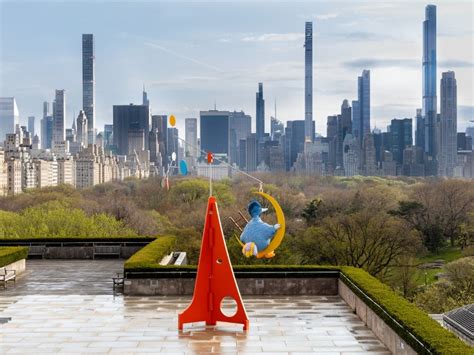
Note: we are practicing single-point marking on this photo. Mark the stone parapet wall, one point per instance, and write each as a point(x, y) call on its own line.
point(323, 286)
point(19, 266)
point(381, 329)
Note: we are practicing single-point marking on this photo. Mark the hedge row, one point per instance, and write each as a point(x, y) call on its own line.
point(150, 256)
point(9, 255)
point(77, 239)
point(435, 338)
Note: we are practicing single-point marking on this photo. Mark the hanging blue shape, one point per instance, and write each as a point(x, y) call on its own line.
point(183, 167)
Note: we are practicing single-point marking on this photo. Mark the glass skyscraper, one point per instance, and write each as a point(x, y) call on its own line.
point(260, 113)
point(308, 82)
point(130, 118)
point(364, 103)
point(59, 116)
point(429, 80)
point(447, 156)
point(214, 128)
point(88, 83)
point(9, 116)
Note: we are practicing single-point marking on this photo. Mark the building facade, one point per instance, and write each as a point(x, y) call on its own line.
point(429, 81)
point(59, 117)
point(308, 83)
point(126, 118)
point(88, 83)
point(448, 127)
point(214, 131)
point(260, 113)
point(9, 116)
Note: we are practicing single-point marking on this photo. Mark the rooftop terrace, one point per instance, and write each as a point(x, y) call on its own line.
point(70, 308)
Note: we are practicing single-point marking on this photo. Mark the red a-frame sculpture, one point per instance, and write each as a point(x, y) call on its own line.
point(215, 278)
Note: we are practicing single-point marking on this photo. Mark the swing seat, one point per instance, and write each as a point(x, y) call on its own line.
point(269, 251)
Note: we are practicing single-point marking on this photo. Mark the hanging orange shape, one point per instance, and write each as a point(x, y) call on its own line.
point(210, 157)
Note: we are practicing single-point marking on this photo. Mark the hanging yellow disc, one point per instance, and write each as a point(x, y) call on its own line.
point(172, 120)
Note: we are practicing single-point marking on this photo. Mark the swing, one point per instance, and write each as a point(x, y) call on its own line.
point(280, 233)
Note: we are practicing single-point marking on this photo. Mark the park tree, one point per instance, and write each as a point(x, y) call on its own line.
point(311, 211)
point(404, 275)
point(362, 239)
point(456, 289)
point(438, 211)
point(420, 218)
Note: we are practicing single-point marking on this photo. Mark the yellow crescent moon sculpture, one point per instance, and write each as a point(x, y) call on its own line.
point(280, 233)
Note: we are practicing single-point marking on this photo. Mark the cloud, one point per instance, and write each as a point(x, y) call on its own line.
point(324, 17)
point(403, 63)
point(456, 63)
point(466, 111)
point(381, 63)
point(364, 36)
point(274, 37)
point(182, 56)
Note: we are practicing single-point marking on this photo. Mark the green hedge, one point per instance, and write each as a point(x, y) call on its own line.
point(150, 256)
point(9, 255)
point(415, 321)
point(435, 338)
point(77, 239)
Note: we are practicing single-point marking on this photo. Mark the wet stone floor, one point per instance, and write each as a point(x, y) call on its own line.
point(86, 317)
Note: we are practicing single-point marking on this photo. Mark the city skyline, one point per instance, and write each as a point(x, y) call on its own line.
point(190, 85)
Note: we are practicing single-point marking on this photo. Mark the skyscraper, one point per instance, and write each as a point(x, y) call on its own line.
point(59, 117)
point(363, 93)
point(420, 129)
point(214, 128)
point(46, 127)
point(173, 142)
point(356, 120)
point(448, 130)
point(260, 113)
point(88, 83)
point(160, 123)
point(294, 141)
point(429, 81)
point(344, 126)
point(145, 100)
point(401, 137)
point(332, 138)
point(9, 117)
point(308, 82)
point(129, 118)
point(31, 125)
point(190, 133)
point(240, 127)
point(82, 129)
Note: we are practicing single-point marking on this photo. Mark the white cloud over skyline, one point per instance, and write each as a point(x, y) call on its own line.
point(192, 54)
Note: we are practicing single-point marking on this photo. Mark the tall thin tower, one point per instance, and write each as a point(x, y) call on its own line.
point(59, 117)
point(429, 81)
point(260, 113)
point(447, 155)
point(88, 83)
point(308, 82)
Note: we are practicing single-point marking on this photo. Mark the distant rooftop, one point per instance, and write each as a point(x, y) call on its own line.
point(461, 321)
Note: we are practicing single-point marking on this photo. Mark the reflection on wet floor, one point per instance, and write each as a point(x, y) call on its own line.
point(61, 320)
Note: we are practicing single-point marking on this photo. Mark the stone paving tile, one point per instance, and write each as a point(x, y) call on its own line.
point(106, 324)
point(62, 312)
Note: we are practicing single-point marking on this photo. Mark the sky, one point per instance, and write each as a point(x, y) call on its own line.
point(191, 55)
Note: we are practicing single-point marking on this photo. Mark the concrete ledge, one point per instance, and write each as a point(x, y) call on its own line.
point(19, 266)
point(79, 249)
point(321, 286)
point(381, 330)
